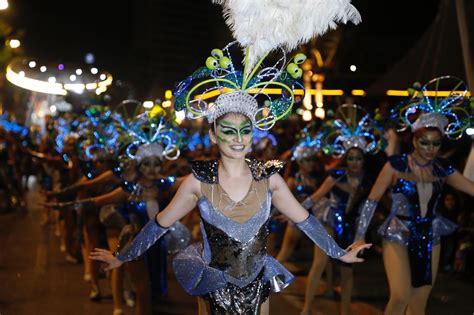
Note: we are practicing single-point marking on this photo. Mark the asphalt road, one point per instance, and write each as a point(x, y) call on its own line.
point(35, 278)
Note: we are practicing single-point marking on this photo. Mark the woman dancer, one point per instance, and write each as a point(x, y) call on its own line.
point(231, 269)
point(351, 136)
point(411, 232)
point(302, 183)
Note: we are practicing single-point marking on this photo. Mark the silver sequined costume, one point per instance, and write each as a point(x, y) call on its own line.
point(231, 268)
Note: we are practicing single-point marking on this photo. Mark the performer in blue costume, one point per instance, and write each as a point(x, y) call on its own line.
point(152, 139)
point(231, 269)
point(302, 183)
point(350, 136)
point(411, 232)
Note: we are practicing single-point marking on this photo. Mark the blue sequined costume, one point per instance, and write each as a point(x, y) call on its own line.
point(302, 189)
point(338, 216)
point(135, 212)
point(406, 226)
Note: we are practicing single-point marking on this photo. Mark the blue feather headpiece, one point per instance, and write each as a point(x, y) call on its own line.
point(151, 136)
point(352, 127)
point(442, 103)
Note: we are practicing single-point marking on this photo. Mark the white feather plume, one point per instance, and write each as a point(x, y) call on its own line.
point(263, 25)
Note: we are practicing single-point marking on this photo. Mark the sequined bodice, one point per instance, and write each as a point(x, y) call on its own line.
point(405, 193)
point(239, 249)
point(235, 258)
point(235, 246)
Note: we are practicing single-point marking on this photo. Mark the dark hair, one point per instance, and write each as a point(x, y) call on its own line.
point(419, 132)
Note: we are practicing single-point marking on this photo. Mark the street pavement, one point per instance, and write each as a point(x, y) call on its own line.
point(35, 278)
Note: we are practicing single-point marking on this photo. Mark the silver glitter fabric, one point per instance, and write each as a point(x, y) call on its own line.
point(177, 238)
point(396, 227)
point(431, 120)
point(367, 211)
point(318, 234)
point(149, 234)
point(231, 267)
point(234, 102)
point(149, 149)
point(200, 269)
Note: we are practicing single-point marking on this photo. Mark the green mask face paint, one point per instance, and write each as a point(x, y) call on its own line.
point(228, 132)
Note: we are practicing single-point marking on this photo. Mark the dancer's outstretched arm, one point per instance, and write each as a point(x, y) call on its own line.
point(460, 182)
point(182, 203)
point(383, 182)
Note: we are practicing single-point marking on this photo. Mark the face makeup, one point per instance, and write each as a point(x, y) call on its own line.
point(427, 146)
point(234, 135)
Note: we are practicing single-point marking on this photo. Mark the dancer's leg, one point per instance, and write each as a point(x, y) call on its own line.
point(320, 260)
point(419, 296)
point(347, 281)
point(291, 237)
point(397, 268)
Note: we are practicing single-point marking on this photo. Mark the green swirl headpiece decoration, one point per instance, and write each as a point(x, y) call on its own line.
point(220, 88)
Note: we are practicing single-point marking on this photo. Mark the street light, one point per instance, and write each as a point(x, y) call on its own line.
point(3, 4)
point(14, 43)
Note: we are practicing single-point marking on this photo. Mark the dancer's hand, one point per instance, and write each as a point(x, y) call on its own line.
point(356, 244)
point(352, 252)
point(106, 257)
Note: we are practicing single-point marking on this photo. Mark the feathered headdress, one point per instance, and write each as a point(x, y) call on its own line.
point(151, 136)
point(263, 25)
point(237, 92)
point(442, 103)
point(100, 132)
point(259, 26)
point(352, 127)
point(308, 143)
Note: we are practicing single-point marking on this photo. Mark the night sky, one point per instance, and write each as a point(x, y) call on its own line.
point(63, 31)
